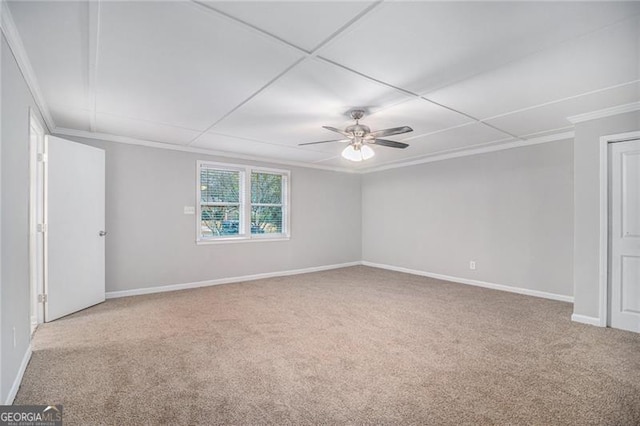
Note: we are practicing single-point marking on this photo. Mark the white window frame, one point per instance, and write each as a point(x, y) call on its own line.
point(245, 204)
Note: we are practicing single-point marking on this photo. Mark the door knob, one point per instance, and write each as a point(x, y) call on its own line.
point(102, 233)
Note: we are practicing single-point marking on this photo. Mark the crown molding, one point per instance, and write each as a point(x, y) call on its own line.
point(486, 148)
point(12, 36)
point(494, 146)
point(61, 131)
point(602, 113)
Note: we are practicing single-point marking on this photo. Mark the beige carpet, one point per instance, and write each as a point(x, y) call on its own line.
point(356, 346)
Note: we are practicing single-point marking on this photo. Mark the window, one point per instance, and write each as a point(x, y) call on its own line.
point(220, 202)
point(266, 202)
point(241, 203)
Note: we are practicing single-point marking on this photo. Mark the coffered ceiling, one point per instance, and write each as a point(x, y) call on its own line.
point(259, 78)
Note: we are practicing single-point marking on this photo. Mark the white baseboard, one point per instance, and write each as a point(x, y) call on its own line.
point(184, 286)
point(585, 319)
point(519, 290)
point(34, 323)
point(16, 383)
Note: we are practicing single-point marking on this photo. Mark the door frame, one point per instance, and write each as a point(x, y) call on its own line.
point(604, 281)
point(36, 307)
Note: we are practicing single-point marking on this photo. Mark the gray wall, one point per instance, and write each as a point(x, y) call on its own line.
point(511, 211)
point(14, 285)
point(151, 242)
point(587, 206)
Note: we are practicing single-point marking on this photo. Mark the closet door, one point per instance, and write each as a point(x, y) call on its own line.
point(624, 235)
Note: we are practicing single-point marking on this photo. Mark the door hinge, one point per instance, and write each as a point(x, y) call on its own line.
point(43, 157)
point(42, 298)
point(42, 227)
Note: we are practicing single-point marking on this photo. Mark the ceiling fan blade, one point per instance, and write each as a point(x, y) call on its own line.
point(342, 132)
point(335, 140)
point(391, 144)
point(390, 132)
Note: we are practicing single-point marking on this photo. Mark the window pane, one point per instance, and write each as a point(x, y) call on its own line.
point(266, 188)
point(219, 186)
point(266, 220)
point(220, 220)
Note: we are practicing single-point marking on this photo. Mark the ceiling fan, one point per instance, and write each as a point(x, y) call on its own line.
point(360, 137)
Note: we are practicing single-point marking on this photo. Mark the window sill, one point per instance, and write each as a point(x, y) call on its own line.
point(243, 240)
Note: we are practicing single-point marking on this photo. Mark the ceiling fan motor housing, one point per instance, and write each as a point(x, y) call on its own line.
point(358, 130)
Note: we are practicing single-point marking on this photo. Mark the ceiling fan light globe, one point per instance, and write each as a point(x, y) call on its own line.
point(361, 153)
point(352, 154)
point(367, 152)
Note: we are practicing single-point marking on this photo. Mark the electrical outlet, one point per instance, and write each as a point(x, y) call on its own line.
point(472, 265)
point(15, 341)
point(189, 210)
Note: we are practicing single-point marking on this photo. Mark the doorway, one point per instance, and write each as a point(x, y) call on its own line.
point(66, 225)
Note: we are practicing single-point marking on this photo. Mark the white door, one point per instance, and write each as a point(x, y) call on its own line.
point(36, 218)
point(624, 235)
point(75, 229)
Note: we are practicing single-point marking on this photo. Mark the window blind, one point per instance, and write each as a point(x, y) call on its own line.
point(266, 203)
point(220, 202)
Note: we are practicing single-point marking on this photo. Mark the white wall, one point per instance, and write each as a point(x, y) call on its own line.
point(14, 285)
point(151, 242)
point(510, 211)
point(587, 206)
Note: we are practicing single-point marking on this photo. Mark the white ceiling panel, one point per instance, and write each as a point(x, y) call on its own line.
point(116, 125)
point(467, 136)
point(169, 70)
point(294, 109)
point(422, 46)
point(453, 139)
point(231, 144)
point(458, 138)
point(423, 116)
point(602, 59)
point(171, 62)
point(304, 24)
point(55, 36)
point(554, 116)
point(71, 118)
